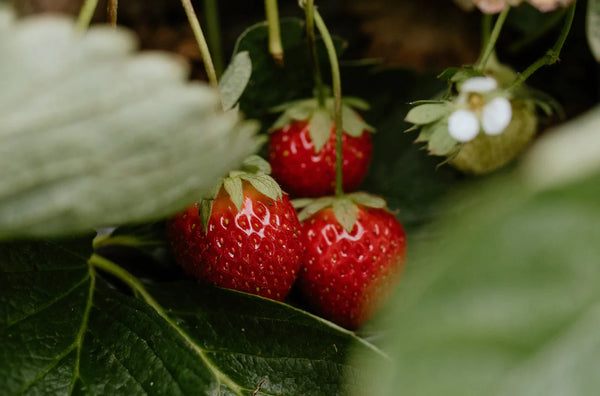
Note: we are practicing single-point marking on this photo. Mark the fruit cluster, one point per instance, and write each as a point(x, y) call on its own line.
point(344, 253)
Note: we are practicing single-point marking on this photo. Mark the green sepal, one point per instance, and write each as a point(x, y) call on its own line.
point(369, 200)
point(427, 113)
point(427, 101)
point(206, 206)
point(346, 212)
point(256, 164)
point(344, 208)
point(426, 132)
point(353, 123)
point(313, 206)
point(440, 142)
point(265, 184)
point(233, 186)
point(309, 109)
point(319, 128)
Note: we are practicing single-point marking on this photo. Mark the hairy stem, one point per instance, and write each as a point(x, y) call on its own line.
point(491, 42)
point(552, 56)
point(86, 13)
point(337, 95)
point(312, 46)
point(201, 40)
point(213, 33)
point(111, 10)
point(275, 46)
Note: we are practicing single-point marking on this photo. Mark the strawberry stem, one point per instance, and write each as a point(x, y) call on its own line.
point(491, 42)
point(337, 94)
point(86, 13)
point(213, 33)
point(275, 46)
point(111, 10)
point(310, 38)
point(201, 40)
point(552, 56)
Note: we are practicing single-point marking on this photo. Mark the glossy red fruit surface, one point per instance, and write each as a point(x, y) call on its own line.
point(347, 275)
point(303, 173)
point(256, 250)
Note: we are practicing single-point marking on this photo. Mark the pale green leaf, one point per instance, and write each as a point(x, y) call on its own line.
point(426, 132)
point(593, 27)
point(235, 79)
point(320, 128)
point(426, 113)
point(233, 186)
point(300, 112)
point(356, 103)
point(346, 213)
point(206, 206)
point(93, 135)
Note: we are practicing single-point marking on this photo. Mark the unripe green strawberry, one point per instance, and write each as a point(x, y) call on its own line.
point(485, 153)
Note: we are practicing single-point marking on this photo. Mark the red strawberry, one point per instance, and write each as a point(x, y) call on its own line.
point(305, 173)
point(255, 248)
point(302, 148)
point(347, 275)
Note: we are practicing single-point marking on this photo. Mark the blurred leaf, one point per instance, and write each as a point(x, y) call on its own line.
point(92, 135)
point(271, 84)
point(64, 329)
point(506, 300)
point(593, 27)
point(235, 79)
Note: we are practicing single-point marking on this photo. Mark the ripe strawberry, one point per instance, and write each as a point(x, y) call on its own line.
point(248, 241)
point(346, 275)
point(302, 149)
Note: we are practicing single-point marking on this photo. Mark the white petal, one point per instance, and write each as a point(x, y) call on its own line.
point(496, 116)
point(479, 85)
point(463, 125)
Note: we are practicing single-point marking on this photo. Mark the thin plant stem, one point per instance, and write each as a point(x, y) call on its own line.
point(275, 46)
point(201, 40)
point(213, 34)
point(86, 13)
point(552, 56)
point(337, 95)
point(491, 42)
point(111, 9)
point(310, 37)
point(486, 30)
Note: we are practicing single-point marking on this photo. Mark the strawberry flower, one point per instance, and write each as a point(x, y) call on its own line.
point(479, 107)
point(496, 6)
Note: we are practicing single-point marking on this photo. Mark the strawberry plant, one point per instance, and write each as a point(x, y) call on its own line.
point(144, 248)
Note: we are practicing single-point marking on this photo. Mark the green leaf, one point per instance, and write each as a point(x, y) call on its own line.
point(346, 213)
point(440, 142)
point(264, 184)
point(235, 79)
point(271, 84)
point(319, 128)
point(505, 301)
point(109, 137)
point(593, 27)
point(233, 186)
point(64, 329)
point(426, 113)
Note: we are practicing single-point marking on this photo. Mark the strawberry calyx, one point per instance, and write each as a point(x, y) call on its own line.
point(255, 171)
point(345, 207)
point(320, 118)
